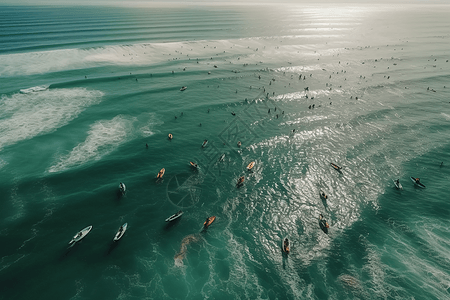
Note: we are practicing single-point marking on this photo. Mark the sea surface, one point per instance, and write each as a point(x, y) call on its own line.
point(88, 96)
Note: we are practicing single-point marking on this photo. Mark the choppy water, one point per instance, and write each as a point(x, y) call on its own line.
point(83, 90)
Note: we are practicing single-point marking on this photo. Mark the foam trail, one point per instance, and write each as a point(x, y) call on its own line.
point(38, 111)
point(103, 138)
point(183, 249)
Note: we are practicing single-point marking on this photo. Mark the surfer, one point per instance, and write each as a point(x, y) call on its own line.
point(239, 144)
point(146, 146)
point(208, 222)
point(170, 136)
point(417, 180)
point(286, 245)
point(323, 195)
point(240, 181)
point(233, 113)
point(323, 224)
point(161, 173)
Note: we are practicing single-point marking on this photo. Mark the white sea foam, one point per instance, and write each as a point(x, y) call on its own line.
point(103, 137)
point(34, 89)
point(40, 111)
point(252, 49)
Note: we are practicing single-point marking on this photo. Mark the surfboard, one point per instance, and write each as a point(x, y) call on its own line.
point(323, 224)
point(336, 167)
point(174, 216)
point(80, 235)
point(209, 221)
point(205, 142)
point(398, 185)
point(285, 245)
point(419, 184)
point(122, 188)
point(161, 173)
point(120, 233)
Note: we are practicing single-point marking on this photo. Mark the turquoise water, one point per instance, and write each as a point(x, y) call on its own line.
point(84, 89)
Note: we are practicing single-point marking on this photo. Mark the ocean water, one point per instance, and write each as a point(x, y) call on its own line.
point(85, 89)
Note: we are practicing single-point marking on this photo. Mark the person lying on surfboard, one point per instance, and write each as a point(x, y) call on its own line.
point(161, 173)
point(286, 245)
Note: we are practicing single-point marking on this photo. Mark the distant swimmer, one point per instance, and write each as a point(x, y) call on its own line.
point(170, 136)
point(268, 111)
point(233, 113)
point(200, 124)
point(146, 146)
point(239, 144)
point(208, 110)
point(442, 163)
point(176, 117)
